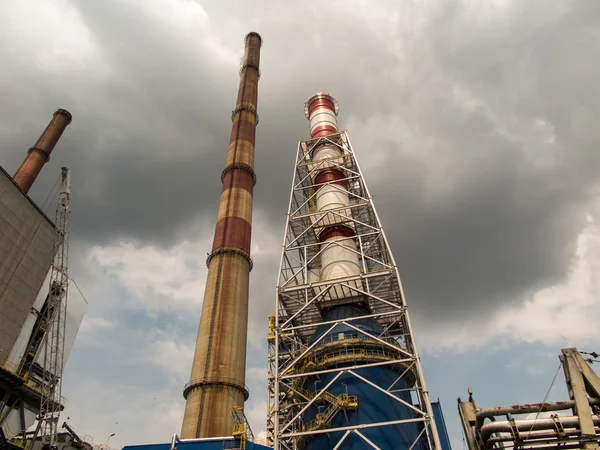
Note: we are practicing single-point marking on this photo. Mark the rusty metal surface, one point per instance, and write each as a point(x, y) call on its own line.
point(220, 352)
point(39, 154)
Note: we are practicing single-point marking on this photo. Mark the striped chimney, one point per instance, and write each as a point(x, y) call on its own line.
point(339, 257)
point(217, 381)
point(39, 154)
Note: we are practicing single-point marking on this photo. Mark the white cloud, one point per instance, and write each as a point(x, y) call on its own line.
point(257, 373)
point(95, 323)
point(133, 412)
point(566, 313)
point(72, 48)
point(172, 356)
point(171, 279)
point(256, 413)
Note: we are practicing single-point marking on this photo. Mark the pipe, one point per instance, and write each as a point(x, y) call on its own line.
point(339, 257)
point(174, 441)
point(217, 380)
point(531, 425)
point(526, 409)
point(549, 435)
point(321, 110)
point(39, 154)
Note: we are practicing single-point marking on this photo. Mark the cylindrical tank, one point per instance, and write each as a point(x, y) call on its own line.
point(373, 405)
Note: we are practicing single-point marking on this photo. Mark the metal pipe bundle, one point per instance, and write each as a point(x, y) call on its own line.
point(217, 382)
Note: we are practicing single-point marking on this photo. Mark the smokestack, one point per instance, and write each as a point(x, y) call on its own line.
point(339, 257)
point(39, 154)
point(217, 382)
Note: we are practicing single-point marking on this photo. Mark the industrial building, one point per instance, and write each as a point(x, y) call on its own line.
point(33, 257)
point(27, 244)
point(570, 424)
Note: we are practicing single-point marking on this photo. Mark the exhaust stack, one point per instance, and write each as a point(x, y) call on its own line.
point(217, 382)
point(39, 154)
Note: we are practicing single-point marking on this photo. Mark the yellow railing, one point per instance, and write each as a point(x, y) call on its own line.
point(322, 420)
point(30, 382)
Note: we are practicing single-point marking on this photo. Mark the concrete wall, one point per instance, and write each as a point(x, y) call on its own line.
point(26, 247)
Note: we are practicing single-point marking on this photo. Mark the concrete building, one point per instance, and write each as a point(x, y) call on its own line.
point(26, 250)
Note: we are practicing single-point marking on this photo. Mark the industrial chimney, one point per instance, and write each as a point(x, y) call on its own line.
point(344, 371)
point(217, 382)
point(39, 154)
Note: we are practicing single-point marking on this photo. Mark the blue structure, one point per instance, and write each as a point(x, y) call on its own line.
point(344, 368)
point(359, 403)
point(441, 425)
point(200, 444)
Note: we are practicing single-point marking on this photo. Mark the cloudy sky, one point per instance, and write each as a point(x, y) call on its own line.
point(473, 121)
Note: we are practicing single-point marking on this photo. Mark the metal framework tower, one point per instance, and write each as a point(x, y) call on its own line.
point(56, 319)
point(344, 371)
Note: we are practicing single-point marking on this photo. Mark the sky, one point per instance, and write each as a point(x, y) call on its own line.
point(473, 122)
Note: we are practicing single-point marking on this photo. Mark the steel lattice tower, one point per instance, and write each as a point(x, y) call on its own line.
point(344, 371)
point(56, 318)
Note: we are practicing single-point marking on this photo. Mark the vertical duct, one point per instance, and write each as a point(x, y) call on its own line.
point(217, 382)
point(340, 259)
point(338, 246)
point(39, 154)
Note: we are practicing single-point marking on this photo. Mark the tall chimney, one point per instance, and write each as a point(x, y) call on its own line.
point(217, 382)
point(39, 154)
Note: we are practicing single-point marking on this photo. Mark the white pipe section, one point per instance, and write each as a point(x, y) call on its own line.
point(330, 196)
point(322, 117)
point(339, 257)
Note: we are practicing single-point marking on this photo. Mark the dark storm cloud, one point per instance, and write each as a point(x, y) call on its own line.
point(482, 117)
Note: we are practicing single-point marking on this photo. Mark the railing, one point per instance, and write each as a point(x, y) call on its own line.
point(31, 383)
point(350, 351)
point(324, 419)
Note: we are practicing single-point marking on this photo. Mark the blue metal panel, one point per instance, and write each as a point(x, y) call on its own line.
point(440, 423)
point(373, 405)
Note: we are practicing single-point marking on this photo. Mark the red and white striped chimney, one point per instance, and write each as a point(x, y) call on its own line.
point(339, 257)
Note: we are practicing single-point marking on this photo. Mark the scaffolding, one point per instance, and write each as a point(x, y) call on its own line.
point(56, 319)
point(297, 354)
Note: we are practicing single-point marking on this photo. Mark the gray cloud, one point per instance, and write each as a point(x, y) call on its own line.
point(480, 118)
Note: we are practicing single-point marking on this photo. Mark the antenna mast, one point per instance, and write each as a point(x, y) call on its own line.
point(56, 318)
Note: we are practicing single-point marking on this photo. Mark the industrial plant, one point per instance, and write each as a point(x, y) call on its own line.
point(344, 370)
point(37, 325)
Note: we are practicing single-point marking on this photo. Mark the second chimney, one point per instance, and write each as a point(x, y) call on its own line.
point(39, 154)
